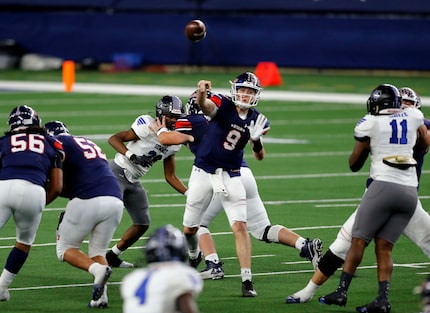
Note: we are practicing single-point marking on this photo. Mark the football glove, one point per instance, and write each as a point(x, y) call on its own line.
point(141, 160)
point(258, 128)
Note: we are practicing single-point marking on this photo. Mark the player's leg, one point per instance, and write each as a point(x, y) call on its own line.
point(235, 208)
point(213, 268)
point(418, 229)
point(136, 202)
point(328, 265)
point(199, 195)
point(28, 201)
point(259, 225)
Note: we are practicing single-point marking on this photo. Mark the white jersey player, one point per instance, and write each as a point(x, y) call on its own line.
point(389, 135)
point(168, 284)
point(134, 161)
point(417, 229)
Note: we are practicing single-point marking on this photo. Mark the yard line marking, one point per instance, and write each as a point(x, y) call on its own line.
point(410, 265)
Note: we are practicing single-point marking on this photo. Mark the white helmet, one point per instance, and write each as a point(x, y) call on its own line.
point(410, 95)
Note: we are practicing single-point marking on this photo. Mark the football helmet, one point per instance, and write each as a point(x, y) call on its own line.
point(383, 99)
point(166, 243)
point(410, 95)
point(55, 128)
point(169, 106)
point(192, 107)
point(245, 80)
point(23, 117)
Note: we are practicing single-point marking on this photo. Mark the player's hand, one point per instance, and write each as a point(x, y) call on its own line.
point(204, 85)
point(141, 160)
point(156, 125)
point(258, 128)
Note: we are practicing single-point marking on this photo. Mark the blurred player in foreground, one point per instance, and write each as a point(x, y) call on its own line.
point(133, 161)
point(94, 209)
point(388, 133)
point(168, 284)
point(416, 230)
point(31, 177)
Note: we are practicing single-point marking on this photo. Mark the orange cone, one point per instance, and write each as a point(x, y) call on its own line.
point(268, 74)
point(68, 75)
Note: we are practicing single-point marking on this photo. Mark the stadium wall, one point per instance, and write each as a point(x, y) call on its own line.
point(339, 34)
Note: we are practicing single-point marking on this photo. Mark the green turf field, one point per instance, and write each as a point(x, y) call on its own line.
point(304, 181)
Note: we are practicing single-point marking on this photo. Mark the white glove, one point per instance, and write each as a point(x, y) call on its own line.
point(256, 129)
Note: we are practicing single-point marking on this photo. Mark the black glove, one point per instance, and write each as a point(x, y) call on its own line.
point(141, 160)
point(58, 160)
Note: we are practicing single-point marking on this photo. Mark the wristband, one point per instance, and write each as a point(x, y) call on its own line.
point(128, 154)
point(162, 130)
point(257, 146)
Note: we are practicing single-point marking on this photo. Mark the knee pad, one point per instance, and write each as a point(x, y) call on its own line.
point(202, 230)
point(271, 233)
point(329, 263)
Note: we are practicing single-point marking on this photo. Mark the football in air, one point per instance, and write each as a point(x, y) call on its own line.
point(195, 30)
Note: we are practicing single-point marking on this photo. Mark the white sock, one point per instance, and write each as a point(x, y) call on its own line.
point(213, 257)
point(6, 278)
point(307, 293)
point(116, 250)
point(246, 274)
point(300, 242)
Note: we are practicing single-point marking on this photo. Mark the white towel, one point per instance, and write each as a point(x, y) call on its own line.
point(217, 183)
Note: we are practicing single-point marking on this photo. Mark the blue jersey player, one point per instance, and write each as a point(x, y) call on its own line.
point(216, 169)
point(30, 178)
point(195, 124)
point(94, 209)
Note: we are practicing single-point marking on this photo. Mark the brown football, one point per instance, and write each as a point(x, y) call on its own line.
point(195, 30)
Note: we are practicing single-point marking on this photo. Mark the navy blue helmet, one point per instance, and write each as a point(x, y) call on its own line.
point(23, 117)
point(245, 80)
point(166, 243)
point(55, 128)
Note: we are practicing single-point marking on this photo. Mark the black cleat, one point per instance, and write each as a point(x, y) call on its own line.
point(248, 289)
point(381, 306)
point(337, 297)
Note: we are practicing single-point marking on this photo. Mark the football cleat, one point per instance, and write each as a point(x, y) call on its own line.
point(100, 282)
point(195, 262)
point(212, 271)
point(292, 300)
point(101, 303)
point(248, 289)
point(4, 294)
point(337, 298)
point(312, 251)
point(377, 306)
point(115, 261)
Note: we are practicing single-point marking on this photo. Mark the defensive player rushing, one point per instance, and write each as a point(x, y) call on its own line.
point(94, 209)
point(134, 161)
point(216, 169)
point(388, 134)
point(31, 176)
point(195, 124)
point(168, 284)
point(417, 229)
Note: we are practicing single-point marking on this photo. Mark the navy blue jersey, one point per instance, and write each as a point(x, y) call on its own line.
point(28, 156)
point(226, 136)
point(194, 125)
point(86, 170)
point(419, 153)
